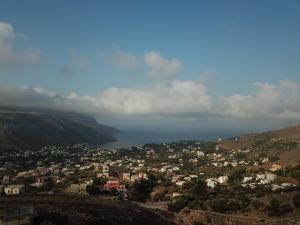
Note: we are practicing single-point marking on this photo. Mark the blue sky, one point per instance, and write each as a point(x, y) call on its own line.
point(88, 47)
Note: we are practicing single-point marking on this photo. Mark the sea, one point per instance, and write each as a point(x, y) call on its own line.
point(130, 138)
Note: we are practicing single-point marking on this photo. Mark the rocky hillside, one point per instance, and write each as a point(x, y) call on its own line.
point(88, 210)
point(288, 134)
point(34, 128)
point(191, 217)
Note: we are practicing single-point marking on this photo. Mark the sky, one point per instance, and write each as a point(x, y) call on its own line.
point(155, 64)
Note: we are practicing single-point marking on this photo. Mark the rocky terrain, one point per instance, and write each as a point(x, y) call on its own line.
point(198, 217)
point(34, 128)
point(76, 210)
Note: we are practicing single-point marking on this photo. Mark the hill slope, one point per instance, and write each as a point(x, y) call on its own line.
point(289, 133)
point(34, 128)
point(88, 210)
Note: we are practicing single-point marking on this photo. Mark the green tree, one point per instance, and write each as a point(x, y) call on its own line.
point(199, 188)
point(141, 189)
point(92, 189)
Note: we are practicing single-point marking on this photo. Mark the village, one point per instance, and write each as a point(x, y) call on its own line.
point(83, 169)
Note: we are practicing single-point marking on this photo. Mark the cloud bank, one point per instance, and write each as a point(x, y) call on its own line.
point(188, 99)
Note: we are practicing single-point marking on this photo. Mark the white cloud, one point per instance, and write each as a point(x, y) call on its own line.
point(10, 55)
point(180, 98)
point(121, 59)
point(184, 99)
point(293, 86)
point(6, 32)
point(161, 67)
point(158, 67)
point(76, 63)
point(280, 101)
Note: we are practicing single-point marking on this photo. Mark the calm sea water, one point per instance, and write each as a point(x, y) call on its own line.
point(129, 138)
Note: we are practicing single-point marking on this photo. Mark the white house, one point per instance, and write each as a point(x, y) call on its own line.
point(126, 176)
point(14, 189)
point(275, 167)
point(180, 183)
point(223, 179)
point(246, 179)
point(264, 160)
point(211, 182)
point(271, 177)
point(200, 153)
point(105, 169)
point(175, 168)
point(176, 195)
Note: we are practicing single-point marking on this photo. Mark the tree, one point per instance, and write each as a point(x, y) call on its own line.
point(141, 189)
point(237, 175)
point(100, 181)
point(199, 188)
point(179, 204)
point(197, 223)
point(92, 189)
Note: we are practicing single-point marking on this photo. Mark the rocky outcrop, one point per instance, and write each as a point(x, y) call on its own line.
point(192, 217)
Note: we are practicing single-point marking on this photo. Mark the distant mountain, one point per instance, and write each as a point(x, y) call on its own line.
point(291, 133)
point(31, 128)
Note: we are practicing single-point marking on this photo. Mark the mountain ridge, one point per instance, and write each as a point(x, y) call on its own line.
point(32, 128)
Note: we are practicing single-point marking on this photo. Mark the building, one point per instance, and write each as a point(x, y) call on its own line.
point(275, 167)
point(211, 182)
point(200, 153)
point(101, 174)
point(39, 182)
point(246, 179)
point(77, 189)
point(223, 179)
point(126, 176)
point(105, 169)
point(143, 176)
point(114, 184)
point(176, 194)
point(14, 189)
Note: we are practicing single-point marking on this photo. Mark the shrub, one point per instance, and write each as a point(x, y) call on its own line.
point(278, 209)
point(219, 205)
point(197, 223)
point(50, 218)
point(93, 189)
point(256, 204)
point(296, 200)
point(141, 189)
point(237, 175)
point(274, 205)
point(179, 204)
point(223, 205)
